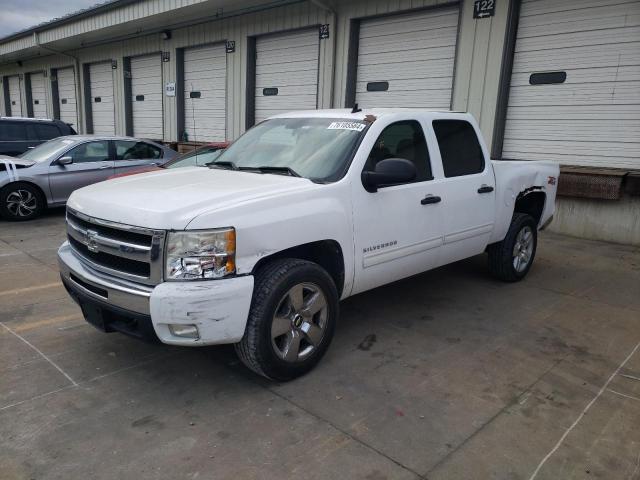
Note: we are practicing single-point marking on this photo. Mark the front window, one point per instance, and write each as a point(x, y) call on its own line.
point(47, 150)
point(319, 149)
point(197, 158)
point(404, 139)
point(90, 152)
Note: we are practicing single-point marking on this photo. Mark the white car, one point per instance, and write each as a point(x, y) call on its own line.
point(303, 210)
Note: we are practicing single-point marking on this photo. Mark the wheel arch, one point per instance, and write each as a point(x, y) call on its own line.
point(532, 202)
point(31, 184)
point(326, 253)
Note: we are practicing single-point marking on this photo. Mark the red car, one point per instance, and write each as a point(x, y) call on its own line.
point(199, 157)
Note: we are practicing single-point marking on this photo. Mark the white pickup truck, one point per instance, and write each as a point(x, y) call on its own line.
point(303, 210)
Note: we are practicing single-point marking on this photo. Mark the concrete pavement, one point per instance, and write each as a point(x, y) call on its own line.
point(448, 375)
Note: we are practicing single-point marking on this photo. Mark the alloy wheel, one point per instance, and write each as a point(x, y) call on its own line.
point(299, 322)
point(523, 249)
point(21, 203)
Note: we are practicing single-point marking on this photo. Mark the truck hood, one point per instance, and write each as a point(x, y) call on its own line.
point(170, 199)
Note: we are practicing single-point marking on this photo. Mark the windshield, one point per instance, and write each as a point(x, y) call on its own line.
point(47, 150)
point(197, 158)
point(319, 149)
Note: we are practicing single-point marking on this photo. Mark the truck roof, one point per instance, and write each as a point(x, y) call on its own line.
point(347, 113)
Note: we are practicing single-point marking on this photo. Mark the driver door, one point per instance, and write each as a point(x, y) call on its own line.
point(398, 230)
point(91, 163)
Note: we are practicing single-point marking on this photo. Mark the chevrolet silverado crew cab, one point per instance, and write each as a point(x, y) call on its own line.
point(303, 210)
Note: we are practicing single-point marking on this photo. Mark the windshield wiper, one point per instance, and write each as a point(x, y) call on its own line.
point(224, 165)
point(279, 170)
point(263, 169)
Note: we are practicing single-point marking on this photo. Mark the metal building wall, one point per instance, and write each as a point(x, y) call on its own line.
point(477, 70)
point(478, 56)
point(236, 29)
point(45, 63)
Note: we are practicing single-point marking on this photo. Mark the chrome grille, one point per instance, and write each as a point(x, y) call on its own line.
point(131, 253)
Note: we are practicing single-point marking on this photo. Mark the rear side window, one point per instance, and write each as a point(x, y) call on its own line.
point(459, 148)
point(47, 132)
point(12, 132)
point(130, 150)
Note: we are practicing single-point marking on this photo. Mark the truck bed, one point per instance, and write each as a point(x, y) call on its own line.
point(514, 177)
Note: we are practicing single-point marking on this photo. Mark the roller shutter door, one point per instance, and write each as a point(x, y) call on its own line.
point(38, 95)
point(15, 96)
point(593, 117)
point(67, 96)
point(205, 91)
point(102, 106)
point(407, 60)
point(146, 92)
point(286, 73)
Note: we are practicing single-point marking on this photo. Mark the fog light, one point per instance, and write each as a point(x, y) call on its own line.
point(186, 331)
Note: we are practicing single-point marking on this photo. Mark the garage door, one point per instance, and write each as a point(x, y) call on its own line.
point(15, 97)
point(146, 92)
point(205, 91)
point(407, 60)
point(67, 96)
point(102, 107)
point(575, 86)
point(286, 73)
point(38, 95)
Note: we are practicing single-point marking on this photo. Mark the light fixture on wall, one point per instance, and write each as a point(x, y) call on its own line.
point(165, 34)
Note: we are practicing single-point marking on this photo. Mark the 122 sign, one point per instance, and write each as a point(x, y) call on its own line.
point(484, 8)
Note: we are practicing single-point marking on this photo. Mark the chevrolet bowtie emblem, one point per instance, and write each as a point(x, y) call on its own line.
point(91, 240)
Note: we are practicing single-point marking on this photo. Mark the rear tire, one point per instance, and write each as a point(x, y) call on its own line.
point(510, 260)
point(21, 201)
point(292, 319)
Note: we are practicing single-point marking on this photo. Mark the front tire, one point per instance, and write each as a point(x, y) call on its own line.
point(510, 260)
point(292, 319)
point(21, 201)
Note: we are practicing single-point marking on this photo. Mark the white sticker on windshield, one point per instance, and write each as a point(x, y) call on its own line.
point(358, 127)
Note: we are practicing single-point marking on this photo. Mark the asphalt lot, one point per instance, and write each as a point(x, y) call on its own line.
point(448, 375)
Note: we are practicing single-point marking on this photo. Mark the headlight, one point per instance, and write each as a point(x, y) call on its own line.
point(200, 255)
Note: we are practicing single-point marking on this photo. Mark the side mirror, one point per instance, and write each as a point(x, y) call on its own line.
point(65, 161)
point(389, 172)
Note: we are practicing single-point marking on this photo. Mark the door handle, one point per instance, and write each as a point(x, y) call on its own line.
point(430, 199)
point(104, 167)
point(485, 189)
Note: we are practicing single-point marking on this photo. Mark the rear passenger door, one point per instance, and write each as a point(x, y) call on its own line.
point(132, 154)
point(469, 182)
point(92, 163)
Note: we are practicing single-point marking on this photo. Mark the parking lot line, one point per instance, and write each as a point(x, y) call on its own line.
point(631, 397)
point(146, 360)
point(30, 289)
point(583, 413)
point(74, 383)
point(46, 321)
point(37, 397)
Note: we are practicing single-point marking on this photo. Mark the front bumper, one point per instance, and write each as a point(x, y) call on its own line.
point(218, 308)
